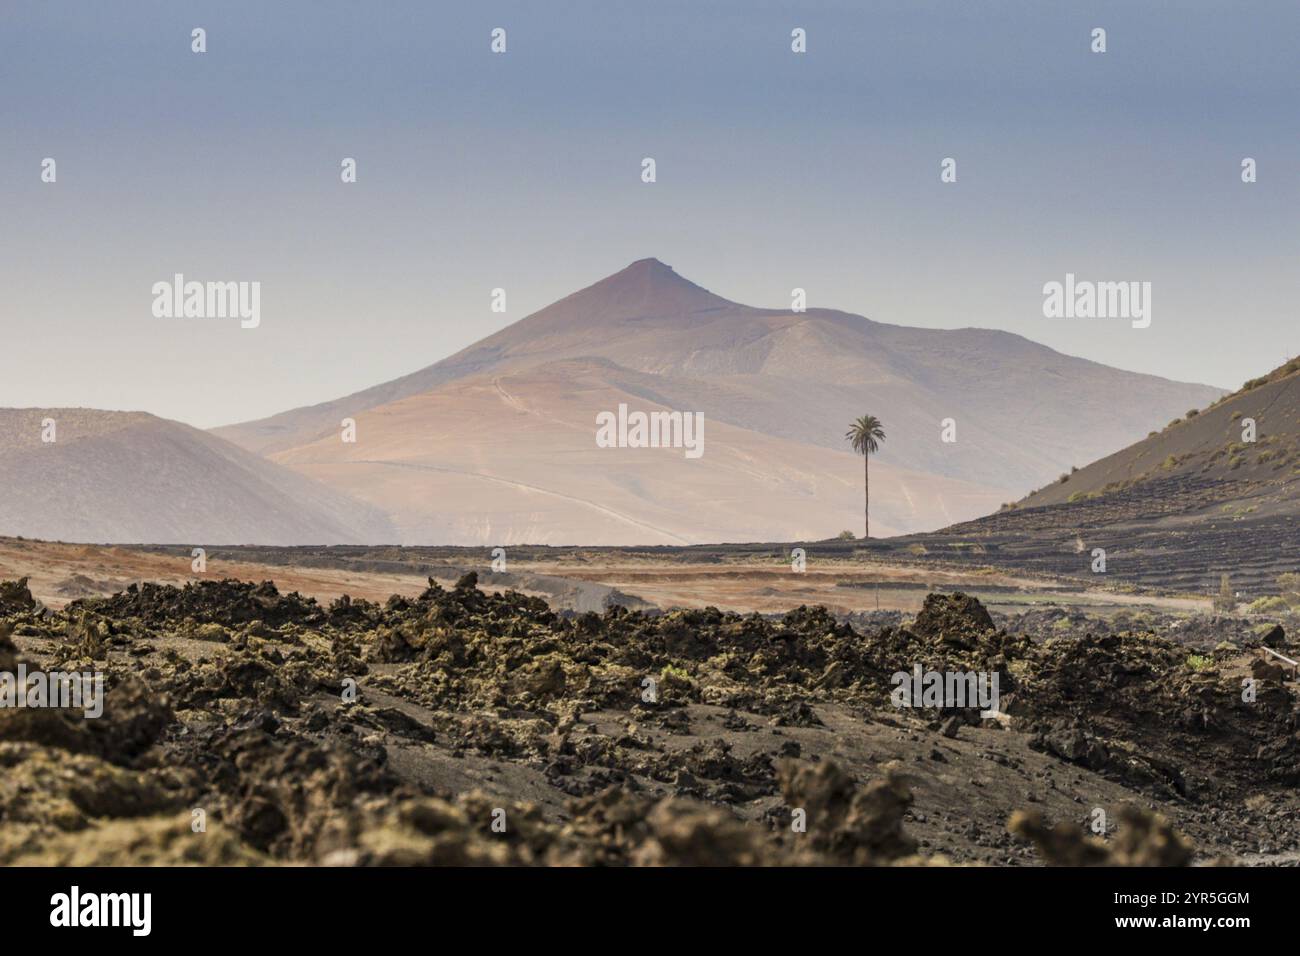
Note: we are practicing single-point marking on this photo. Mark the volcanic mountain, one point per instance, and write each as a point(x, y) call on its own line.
point(496, 444)
point(129, 477)
point(1214, 492)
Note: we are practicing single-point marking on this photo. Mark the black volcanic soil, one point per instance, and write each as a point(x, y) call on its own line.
point(1200, 498)
point(1173, 535)
point(244, 726)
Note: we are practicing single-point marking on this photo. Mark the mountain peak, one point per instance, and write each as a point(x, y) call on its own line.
point(645, 270)
point(648, 264)
point(644, 288)
point(651, 269)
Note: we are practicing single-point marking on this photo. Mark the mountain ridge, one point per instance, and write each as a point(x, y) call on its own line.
point(788, 381)
point(710, 347)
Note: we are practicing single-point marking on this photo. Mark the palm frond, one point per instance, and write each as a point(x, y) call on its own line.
point(865, 435)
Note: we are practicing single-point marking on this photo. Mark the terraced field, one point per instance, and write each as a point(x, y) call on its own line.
point(1171, 536)
point(1215, 492)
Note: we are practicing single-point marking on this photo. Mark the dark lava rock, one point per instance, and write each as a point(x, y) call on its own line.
point(1275, 638)
point(230, 603)
point(955, 618)
point(15, 598)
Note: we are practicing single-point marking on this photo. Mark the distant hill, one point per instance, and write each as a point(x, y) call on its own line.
point(129, 477)
point(495, 444)
point(1208, 448)
point(1192, 501)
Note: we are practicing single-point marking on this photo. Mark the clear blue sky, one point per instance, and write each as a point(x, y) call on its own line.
point(523, 171)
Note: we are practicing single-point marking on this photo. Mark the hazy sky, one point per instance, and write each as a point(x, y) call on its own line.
point(522, 171)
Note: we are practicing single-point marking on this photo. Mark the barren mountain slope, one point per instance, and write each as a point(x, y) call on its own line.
point(131, 477)
point(512, 459)
point(1177, 510)
point(1023, 411)
point(1213, 446)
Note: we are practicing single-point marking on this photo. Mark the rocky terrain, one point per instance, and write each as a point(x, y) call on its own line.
point(246, 726)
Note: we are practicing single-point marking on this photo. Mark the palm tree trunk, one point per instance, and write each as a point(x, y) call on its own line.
point(866, 490)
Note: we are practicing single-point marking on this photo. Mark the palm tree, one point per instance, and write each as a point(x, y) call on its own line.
point(866, 436)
